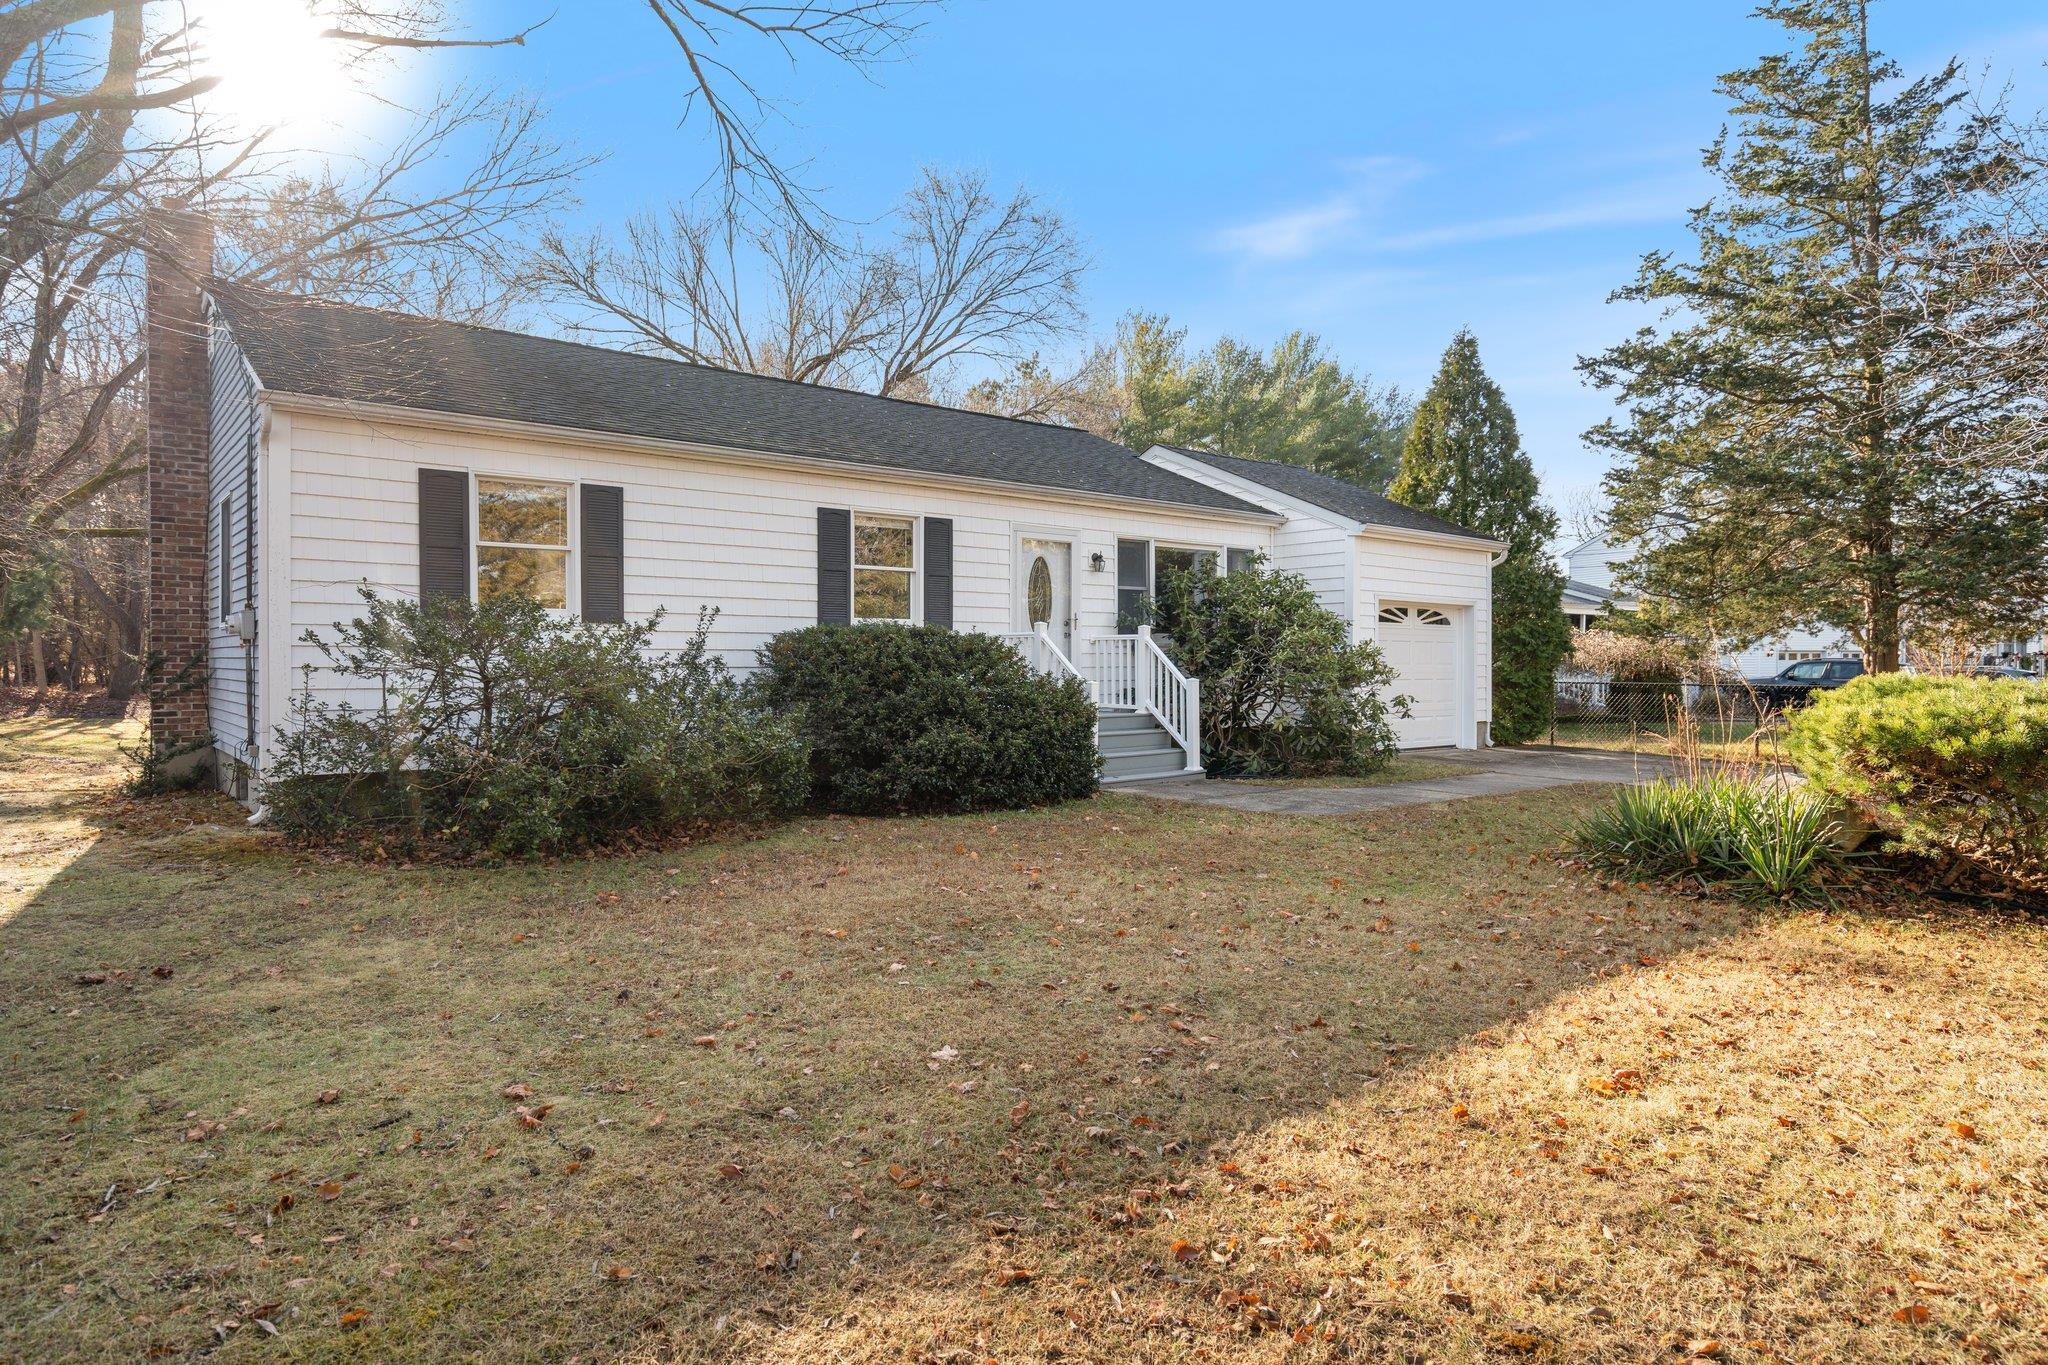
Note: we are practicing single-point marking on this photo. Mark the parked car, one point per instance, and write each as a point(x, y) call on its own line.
point(2005, 671)
point(1793, 684)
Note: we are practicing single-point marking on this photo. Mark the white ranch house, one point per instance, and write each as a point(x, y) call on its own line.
point(353, 447)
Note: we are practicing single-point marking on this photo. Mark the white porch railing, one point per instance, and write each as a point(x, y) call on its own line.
point(1124, 673)
point(1132, 672)
point(1045, 656)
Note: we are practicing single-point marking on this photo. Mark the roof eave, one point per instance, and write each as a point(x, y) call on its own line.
point(1351, 525)
point(732, 454)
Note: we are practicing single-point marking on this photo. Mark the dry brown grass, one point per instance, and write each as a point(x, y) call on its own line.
point(1110, 1082)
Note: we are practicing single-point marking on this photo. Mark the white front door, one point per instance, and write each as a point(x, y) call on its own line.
point(1045, 588)
point(1421, 646)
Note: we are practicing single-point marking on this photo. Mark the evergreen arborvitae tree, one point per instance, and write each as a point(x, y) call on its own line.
point(1464, 460)
point(1819, 433)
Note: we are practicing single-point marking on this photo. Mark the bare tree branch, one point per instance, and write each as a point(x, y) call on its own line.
point(965, 275)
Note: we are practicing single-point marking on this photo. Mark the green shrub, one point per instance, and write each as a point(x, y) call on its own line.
point(507, 730)
point(1285, 693)
point(916, 718)
point(1757, 835)
point(1956, 767)
point(161, 770)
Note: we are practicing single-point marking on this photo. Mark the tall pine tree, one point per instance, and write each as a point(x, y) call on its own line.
point(1294, 403)
point(1464, 460)
point(1817, 434)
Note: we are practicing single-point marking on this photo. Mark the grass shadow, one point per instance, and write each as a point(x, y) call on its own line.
point(769, 1087)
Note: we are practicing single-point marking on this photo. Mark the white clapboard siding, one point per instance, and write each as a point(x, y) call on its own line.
point(1317, 550)
point(699, 531)
point(231, 478)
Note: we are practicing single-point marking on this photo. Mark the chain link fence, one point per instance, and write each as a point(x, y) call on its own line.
point(1727, 717)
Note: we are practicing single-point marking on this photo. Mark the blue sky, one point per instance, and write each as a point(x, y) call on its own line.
point(1381, 174)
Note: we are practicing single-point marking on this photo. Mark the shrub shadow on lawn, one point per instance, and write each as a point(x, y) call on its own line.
point(763, 1084)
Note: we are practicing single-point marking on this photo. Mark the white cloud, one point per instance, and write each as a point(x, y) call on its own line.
point(1292, 235)
point(1649, 202)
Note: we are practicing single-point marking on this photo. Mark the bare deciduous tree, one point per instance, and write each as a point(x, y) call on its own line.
point(1087, 393)
point(965, 274)
point(104, 112)
point(99, 124)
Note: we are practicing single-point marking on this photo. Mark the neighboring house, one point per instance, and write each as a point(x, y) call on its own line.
point(301, 450)
point(1590, 594)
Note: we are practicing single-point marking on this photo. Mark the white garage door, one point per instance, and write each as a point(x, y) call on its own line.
point(1421, 645)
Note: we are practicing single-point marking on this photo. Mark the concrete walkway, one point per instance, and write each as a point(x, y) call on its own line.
point(1489, 772)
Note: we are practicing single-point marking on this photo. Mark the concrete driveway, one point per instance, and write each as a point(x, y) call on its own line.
point(1489, 772)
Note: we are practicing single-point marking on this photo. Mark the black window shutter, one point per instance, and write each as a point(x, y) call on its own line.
point(604, 553)
point(444, 533)
point(227, 558)
point(835, 566)
point(938, 571)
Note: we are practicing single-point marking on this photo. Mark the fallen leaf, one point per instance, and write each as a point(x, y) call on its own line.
point(1913, 1313)
point(1012, 1276)
point(329, 1190)
point(618, 1272)
point(1966, 1131)
point(328, 1097)
point(518, 1090)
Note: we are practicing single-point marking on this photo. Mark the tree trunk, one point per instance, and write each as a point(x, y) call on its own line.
point(38, 675)
point(1881, 633)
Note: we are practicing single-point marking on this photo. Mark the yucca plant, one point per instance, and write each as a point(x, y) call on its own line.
point(1741, 830)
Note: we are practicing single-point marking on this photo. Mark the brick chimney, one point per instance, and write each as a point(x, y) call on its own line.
point(178, 254)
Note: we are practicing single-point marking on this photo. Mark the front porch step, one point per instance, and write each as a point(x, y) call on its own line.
point(1135, 746)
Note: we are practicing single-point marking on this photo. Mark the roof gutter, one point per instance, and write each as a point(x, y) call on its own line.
point(603, 440)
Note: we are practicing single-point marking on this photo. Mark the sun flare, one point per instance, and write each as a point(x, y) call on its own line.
point(274, 67)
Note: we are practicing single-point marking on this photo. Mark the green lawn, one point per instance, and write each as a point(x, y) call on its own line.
point(1115, 1081)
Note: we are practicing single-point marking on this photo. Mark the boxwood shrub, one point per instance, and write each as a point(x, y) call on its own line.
point(916, 718)
point(1954, 767)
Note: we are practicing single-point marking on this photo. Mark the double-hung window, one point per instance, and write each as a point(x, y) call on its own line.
point(1142, 570)
point(522, 540)
point(884, 568)
point(1173, 559)
point(1133, 584)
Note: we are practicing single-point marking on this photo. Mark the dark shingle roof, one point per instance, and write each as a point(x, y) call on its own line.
point(1332, 494)
point(367, 355)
